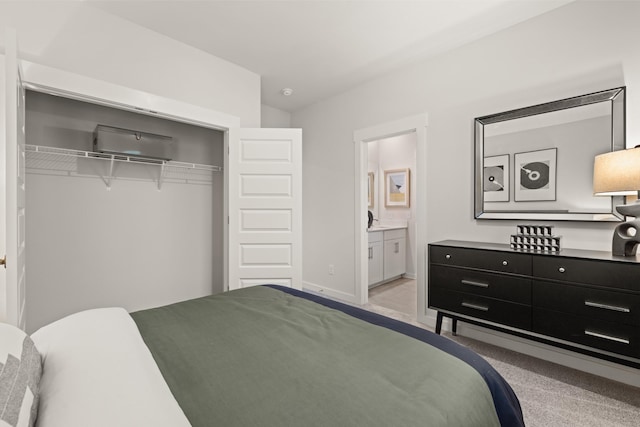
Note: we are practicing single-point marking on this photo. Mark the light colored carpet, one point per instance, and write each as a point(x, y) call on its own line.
point(551, 395)
point(554, 395)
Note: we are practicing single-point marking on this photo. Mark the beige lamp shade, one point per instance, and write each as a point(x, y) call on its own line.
point(617, 173)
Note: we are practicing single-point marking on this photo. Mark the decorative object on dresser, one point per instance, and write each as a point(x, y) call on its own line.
point(618, 174)
point(535, 238)
point(584, 301)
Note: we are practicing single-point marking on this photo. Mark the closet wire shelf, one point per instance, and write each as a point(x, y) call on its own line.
point(67, 161)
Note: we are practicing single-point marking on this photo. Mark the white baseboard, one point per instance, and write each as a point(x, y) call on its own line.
point(329, 293)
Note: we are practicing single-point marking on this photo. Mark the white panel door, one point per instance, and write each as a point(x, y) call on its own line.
point(265, 207)
point(12, 163)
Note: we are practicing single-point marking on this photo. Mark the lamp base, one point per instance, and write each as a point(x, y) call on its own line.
point(626, 238)
point(632, 209)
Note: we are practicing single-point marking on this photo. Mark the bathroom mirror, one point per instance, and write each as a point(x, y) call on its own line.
point(536, 163)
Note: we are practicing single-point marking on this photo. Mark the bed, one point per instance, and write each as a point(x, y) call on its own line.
point(259, 356)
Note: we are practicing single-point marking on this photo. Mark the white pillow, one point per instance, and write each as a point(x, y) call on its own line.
point(20, 370)
point(97, 372)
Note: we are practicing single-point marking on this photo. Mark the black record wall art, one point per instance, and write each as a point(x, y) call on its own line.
point(496, 178)
point(535, 175)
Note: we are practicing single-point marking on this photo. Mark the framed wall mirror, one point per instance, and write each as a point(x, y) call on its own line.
point(536, 163)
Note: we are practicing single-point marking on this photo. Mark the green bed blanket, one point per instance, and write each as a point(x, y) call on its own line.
point(262, 357)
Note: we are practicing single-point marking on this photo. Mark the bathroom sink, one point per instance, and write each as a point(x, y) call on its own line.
point(386, 227)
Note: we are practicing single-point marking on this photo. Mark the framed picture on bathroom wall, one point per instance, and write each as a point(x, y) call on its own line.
point(370, 191)
point(397, 191)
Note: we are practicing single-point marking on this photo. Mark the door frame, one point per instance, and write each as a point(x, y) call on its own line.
point(418, 124)
point(12, 308)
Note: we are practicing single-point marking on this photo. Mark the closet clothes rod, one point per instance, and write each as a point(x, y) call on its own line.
point(61, 159)
point(68, 152)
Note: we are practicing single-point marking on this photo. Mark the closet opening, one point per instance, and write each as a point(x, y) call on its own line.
point(106, 230)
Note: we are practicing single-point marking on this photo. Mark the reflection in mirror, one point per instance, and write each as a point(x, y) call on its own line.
point(537, 162)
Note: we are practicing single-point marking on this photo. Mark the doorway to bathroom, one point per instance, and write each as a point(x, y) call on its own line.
point(390, 168)
point(391, 203)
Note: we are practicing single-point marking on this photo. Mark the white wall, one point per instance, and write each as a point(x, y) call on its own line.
point(133, 247)
point(580, 48)
point(551, 57)
point(75, 37)
point(274, 118)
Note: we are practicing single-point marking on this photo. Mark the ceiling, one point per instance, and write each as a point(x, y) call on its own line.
point(322, 48)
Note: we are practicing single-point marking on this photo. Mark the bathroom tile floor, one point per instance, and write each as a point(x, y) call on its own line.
point(400, 295)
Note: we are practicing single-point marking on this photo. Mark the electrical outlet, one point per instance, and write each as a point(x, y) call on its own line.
point(331, 269)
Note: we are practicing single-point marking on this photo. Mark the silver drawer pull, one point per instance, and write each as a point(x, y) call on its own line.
point(475, 306)
point(561, 270)
point(505, 263)
point(447, 256)
point(606, 337)
point(472, 283)
point(607, 307)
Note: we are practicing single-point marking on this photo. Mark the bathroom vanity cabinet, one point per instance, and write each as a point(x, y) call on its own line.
point(375, 256)
point(387, 255)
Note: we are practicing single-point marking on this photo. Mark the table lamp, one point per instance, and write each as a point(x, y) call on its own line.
point(618, 174)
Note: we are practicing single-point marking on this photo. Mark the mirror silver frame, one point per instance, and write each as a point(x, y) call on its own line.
point(616, 99)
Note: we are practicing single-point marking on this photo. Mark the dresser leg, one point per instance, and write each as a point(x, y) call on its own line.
point(454, 327)
point(438, 323)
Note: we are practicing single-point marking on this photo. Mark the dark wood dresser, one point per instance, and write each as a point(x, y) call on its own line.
point(585, 301)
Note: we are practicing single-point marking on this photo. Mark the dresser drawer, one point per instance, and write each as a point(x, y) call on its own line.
point(504, 287)
point(596, 303)
point(619, 275)
point(503, 262)
point(609, 336)
point(493, 310)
